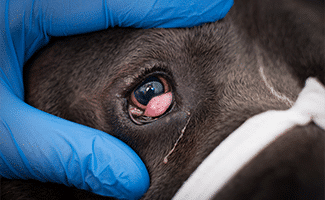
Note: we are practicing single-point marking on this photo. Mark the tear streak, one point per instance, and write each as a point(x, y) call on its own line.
point(172, 150)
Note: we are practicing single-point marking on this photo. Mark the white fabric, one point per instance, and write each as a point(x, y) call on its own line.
point(249, 139)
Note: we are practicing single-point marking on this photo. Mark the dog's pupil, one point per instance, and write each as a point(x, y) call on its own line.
point(149, 88)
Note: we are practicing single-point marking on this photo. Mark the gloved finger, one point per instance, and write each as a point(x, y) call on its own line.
point(37, 145)
point(27, 25)
point(77, 16)
point(19, 39)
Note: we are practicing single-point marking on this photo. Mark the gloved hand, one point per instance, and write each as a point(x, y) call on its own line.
point(37, 145)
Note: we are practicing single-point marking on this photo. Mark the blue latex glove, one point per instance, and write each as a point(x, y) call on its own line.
point(37, 145)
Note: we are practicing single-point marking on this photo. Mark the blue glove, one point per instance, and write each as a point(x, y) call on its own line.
point(37, 145)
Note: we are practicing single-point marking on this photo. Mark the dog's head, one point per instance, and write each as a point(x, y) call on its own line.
point(173, 95)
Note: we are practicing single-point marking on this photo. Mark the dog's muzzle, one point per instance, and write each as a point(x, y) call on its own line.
point(251, 138)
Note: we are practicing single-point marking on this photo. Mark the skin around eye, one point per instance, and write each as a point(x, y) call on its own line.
point(156, 106)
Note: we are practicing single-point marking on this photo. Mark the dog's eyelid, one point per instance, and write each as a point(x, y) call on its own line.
point(134, 80)
point(150, 100)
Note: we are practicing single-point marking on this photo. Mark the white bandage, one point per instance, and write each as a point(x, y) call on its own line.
point(249, 139)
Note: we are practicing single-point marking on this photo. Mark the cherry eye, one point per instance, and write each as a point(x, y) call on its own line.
point(150, 100)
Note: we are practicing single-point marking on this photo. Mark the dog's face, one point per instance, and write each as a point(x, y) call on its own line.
point(173, 95)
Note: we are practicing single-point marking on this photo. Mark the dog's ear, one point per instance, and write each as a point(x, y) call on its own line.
point(292, 30)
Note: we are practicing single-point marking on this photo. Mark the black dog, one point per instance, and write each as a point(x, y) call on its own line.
point(211, 81)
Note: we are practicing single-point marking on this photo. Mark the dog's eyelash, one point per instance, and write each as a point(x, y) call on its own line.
point(149, 71)
point(144, 73)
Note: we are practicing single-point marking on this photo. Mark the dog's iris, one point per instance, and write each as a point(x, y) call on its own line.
point(149, 88)
point(150, 100)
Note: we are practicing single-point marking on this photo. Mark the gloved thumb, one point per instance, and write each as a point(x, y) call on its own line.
point(37, 145)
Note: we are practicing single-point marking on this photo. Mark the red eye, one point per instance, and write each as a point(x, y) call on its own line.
point(150, 99)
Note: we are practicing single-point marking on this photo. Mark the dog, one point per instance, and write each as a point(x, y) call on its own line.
point(210, 80)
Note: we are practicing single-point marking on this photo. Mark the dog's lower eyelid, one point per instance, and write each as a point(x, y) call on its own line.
point(151, 105)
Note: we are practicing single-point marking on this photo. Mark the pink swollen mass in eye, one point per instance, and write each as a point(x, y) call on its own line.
point(158, 105)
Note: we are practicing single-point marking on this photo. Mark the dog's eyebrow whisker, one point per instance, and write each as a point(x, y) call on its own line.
point(182, 133)
point(279, 96)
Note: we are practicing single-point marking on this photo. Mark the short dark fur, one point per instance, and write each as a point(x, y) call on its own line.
point(214, 74)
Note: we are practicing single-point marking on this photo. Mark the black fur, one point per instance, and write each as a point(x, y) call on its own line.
point(213, 72)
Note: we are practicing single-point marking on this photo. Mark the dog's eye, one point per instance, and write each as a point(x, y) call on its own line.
point(149, 88)
point(150, 100)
